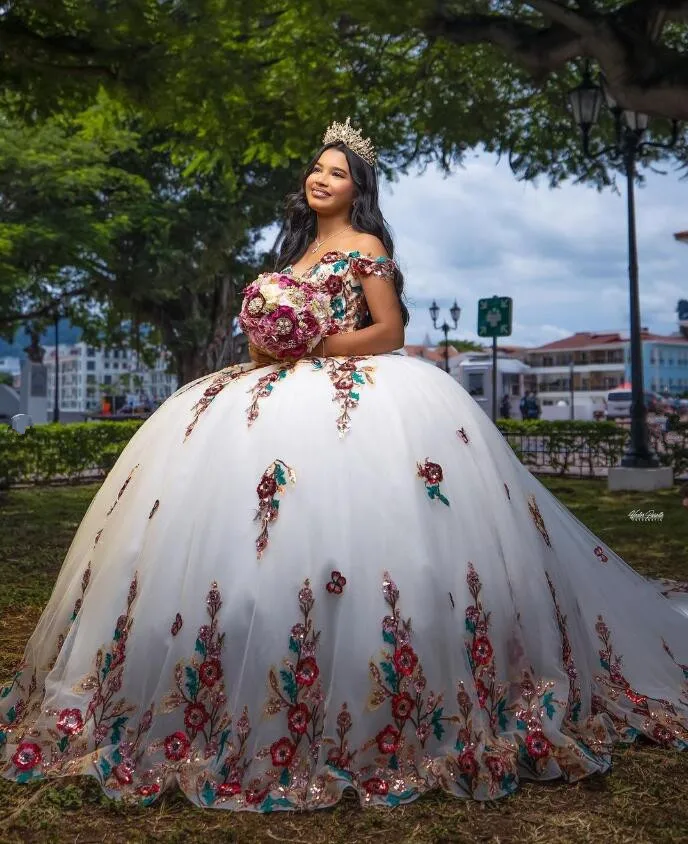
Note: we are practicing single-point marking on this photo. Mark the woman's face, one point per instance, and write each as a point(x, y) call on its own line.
point(329, 187)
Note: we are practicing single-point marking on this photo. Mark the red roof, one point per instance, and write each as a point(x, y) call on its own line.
point(436, 355)
point(580, 340)
point(683, 236)
point(587, 339)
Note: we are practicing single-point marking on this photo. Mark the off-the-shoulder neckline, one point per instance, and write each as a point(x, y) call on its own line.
point(353, 253)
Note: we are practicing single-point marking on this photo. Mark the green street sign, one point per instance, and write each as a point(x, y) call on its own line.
point(494, 316)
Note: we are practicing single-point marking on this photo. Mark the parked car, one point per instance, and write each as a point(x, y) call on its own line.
point(619, 404)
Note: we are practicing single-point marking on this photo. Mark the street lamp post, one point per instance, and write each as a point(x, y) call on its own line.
point(56, 406)
point(455, 312)
point(630, 126)
point(572, 412)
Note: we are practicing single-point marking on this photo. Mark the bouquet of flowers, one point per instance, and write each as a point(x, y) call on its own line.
point(283, 317)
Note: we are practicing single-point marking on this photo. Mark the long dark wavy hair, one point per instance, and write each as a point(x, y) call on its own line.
point(300, 225)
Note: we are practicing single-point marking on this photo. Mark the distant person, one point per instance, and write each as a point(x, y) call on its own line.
point(523, 407)
point(505, 407)
point(533, 409)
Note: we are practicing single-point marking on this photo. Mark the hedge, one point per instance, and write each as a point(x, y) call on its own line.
point(62, 452)
point(68, 452)
point(563, 445)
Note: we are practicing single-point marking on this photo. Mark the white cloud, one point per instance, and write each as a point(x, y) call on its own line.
point(561, 254)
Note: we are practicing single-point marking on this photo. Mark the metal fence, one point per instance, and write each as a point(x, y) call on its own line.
point(565, 453)
point(571, 452)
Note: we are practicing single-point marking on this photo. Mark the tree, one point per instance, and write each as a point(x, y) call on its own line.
point(117, 229)
point(429, 79)
point(464, 345)
point(640, 45)
point(62, 201)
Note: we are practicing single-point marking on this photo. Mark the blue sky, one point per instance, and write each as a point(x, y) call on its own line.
point(561, 254)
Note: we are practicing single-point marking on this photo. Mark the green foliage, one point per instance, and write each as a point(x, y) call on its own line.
point(464, 345)
point(145, 146)
point(63, 201)
point(51, 452)
point(561, 445)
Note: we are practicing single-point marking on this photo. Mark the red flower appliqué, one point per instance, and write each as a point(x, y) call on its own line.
point(432, 472)
point(467, 763)
point(282, 752)
point(481, 650)
point(538, 745)
point(124, 772)
point(177, 746)
point(70, 722)
point(298, 718)
point(402, 706)
point(210, 672)
point(228, 789)
point(147, 790)
point(307, 671)
point(267, 487)
point(195, 716)
point(336, 584)
point(27, 756)
point(375, 785)
point(433, 476)
point(405, 660)
point(388, 739)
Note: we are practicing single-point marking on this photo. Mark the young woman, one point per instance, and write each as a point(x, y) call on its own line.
point(329, 573)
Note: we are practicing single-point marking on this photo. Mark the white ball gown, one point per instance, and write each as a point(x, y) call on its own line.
point(306, 577)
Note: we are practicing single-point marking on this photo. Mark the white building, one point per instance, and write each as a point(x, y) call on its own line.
point(13, 366)
point(88, 373)
point(597, 361)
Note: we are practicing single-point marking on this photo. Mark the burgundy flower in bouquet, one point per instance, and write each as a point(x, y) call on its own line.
point(284, 318)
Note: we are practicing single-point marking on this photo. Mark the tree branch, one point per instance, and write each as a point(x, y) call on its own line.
point(565, 15)
point(643, 74)
point(47, 310)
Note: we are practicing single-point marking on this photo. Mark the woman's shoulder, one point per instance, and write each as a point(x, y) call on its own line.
point(368, 245)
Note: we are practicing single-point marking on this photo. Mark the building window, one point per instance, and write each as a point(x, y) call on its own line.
point(475, 384)
point(107, 379)
point(90, 365)
point(91, 352)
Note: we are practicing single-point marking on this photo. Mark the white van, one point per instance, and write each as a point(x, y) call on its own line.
point(618, 404)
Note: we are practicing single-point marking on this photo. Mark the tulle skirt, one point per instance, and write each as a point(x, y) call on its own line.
point(303, 578)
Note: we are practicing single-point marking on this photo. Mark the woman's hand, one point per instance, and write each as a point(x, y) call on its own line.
point(259, 357)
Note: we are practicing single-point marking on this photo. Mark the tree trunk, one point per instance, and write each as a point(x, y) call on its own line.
point(34, 351)
point(189, 365)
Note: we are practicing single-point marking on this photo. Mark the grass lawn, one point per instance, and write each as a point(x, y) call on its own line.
point(645, 799)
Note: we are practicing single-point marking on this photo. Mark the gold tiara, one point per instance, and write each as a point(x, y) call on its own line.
point(346, 133)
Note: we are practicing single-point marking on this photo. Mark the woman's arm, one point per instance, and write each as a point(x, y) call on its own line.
point(387, 332)
point(374, 340)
